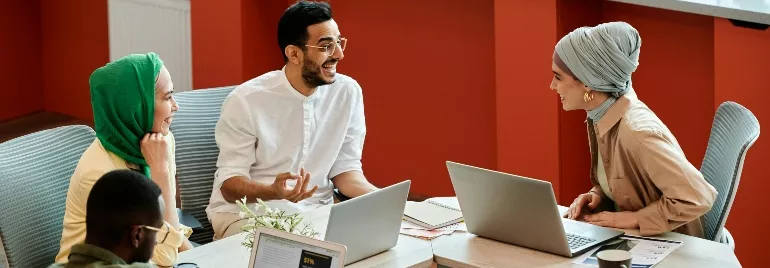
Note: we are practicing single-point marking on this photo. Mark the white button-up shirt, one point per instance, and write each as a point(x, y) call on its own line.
point(267, 128)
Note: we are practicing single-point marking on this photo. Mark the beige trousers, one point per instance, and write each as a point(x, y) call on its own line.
point(226, 224)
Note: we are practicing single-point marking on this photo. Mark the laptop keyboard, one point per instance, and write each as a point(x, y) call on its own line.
point(576, 241)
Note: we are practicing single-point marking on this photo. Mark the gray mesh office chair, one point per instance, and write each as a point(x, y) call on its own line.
point(35, 173)
point(733, 132)
point(197, 152)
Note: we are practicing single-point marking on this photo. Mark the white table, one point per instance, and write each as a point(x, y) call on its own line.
point(228, 252)
point(464, 250)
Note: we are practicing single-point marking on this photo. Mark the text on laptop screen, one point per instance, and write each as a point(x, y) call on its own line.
point(278, 252)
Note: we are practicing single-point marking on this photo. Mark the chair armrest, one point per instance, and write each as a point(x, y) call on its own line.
point(412, 196)
point(341, 197)
point(727, 239)
point(188, 220)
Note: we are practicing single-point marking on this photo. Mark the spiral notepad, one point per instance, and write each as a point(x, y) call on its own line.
point(431, 214)
point(444, 202)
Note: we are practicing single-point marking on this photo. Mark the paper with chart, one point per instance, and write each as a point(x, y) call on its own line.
point(646, 252)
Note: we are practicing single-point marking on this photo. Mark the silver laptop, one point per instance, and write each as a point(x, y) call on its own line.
point(520, 211)
point(368, 224)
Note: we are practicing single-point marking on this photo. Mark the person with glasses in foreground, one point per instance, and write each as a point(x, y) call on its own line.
point(290, 137)
point(124, 223)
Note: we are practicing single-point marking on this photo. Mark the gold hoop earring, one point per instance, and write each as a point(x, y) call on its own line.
point(588, 96)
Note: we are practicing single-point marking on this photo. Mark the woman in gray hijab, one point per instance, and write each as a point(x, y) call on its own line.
point(640, 175)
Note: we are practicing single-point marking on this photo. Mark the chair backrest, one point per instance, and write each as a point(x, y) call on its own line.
point(197, 152)
point(734, 130)
point(35, 173)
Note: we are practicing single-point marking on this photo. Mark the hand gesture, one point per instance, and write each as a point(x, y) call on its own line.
point(299, 192)
point(155, 150)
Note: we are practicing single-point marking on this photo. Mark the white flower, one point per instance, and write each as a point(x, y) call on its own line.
point(273, 218)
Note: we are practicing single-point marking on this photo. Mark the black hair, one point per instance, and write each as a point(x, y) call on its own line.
point(292, 27)
point(119, 200)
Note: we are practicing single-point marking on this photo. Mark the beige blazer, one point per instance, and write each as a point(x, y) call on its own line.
point(95, 162)
point(647, 171)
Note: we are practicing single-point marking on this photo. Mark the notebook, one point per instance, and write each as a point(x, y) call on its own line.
point(433, 213)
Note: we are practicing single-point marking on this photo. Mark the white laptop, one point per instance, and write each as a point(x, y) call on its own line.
point(368, 224)
point(520, 211)
point(277, 249)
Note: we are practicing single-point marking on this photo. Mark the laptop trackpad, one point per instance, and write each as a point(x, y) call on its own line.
point(580, 228)
point(589, 230)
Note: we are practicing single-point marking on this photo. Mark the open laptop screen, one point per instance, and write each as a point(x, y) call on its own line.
point(278, 252)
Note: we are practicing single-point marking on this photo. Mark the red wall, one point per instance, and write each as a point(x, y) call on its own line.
point(234, 41)
point(741, 56)
point(449, 80)
point(676, 69)
point(20, 67)
point(429, 93)
point(446, 80)
point(75, 43)
point(527, 118)
point(574, 157)
point(260, 37)
point(216, 43)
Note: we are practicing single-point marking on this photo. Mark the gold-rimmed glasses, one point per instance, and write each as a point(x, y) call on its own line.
point(331, 46)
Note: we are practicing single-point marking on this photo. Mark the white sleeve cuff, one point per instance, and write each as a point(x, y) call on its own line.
point(342, 166)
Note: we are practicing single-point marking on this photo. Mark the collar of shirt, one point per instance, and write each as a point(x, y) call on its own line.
point(85, 253)
point(613, 115)
point(293, 91)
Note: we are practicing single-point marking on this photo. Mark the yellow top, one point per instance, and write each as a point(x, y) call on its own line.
point(95, 162)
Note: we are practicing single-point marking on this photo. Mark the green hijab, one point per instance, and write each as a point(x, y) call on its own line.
point(123, 99)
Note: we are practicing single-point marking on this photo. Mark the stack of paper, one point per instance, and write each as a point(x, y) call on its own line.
point(442, 213)
point(424, 234)
point(415, 230)
point(432, 214)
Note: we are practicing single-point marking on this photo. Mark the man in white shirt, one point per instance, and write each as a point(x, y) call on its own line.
point(289, 137)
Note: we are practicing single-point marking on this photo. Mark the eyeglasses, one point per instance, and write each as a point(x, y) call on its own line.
point(157, 231)
point(330, 47)
point(152, 228)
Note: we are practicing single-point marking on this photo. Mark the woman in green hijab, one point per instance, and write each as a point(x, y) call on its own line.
point(133, 106)
point(638, 170)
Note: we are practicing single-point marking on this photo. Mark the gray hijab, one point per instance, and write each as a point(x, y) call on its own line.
point(602, 57)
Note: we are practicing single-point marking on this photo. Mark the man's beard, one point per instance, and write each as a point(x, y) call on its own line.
point(311, 73)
